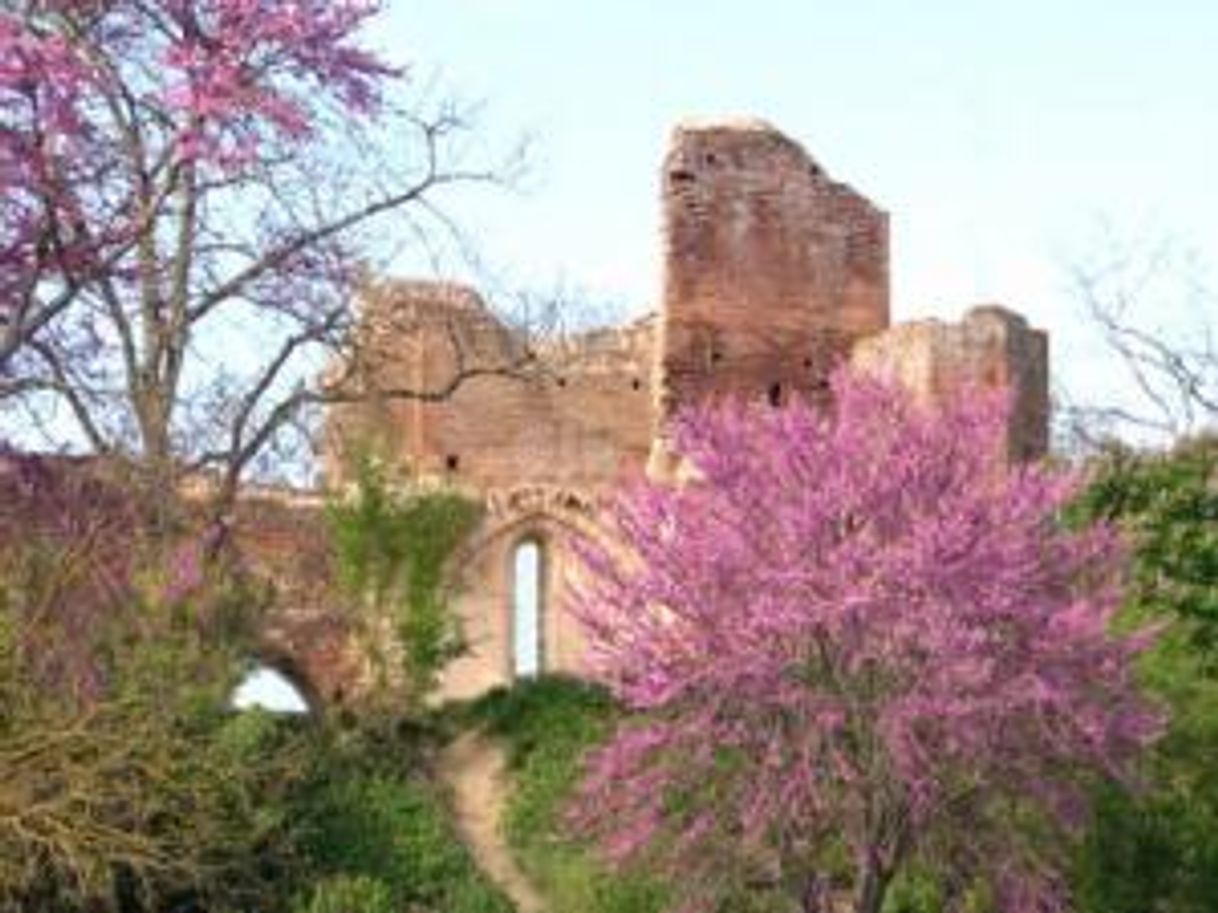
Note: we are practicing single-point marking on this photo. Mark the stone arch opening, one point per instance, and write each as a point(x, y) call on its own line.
point(482, 573)
point(275, 684)
point(528, 597)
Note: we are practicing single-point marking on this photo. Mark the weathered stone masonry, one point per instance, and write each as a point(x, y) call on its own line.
point(773, 274)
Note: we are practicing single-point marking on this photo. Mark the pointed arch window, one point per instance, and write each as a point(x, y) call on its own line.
point(528, 595)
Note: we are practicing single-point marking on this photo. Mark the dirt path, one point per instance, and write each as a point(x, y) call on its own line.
point(474, 767)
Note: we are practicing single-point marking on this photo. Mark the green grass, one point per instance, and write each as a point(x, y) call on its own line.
point(547, 725)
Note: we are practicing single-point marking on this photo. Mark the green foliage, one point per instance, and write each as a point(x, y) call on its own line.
point(151, 791)
point(1169, 504)
point(253, 810)
point(1159, 850)
point(914, 893)
point(548, 724)
point(349, 894)
point(364, 821)
point(392, 551)
point(126, 782)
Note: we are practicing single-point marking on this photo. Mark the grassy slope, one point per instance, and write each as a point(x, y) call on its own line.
point(547, 726)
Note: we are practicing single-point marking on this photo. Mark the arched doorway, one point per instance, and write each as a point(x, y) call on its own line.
point(528, 598)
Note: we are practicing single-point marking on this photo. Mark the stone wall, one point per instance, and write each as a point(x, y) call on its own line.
point(772, 269)
point(551, 517)
point(991, 347)
point(578, 414)
point(539, 448)
point(306, 635)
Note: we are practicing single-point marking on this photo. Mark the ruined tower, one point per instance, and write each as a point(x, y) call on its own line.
point(772, 270)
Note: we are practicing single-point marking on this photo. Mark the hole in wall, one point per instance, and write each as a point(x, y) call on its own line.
point(452, 462)
point(636, 384)
point(807, 362)
point(774, 395)
point(716, 357)
point(562, 381)
point(681, 175)
point(711, 159)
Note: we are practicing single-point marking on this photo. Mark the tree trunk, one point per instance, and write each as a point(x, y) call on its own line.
point(872, 886)
point(157, 477)
point(815, 897)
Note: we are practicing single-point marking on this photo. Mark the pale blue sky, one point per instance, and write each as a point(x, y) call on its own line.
point(526, 608)
point(998, 135)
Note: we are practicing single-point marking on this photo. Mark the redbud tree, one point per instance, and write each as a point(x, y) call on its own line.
point(859, 649)
point(191, 191)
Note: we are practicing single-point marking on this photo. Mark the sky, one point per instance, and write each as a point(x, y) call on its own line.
point(1010, 142)
point(266, 688)
point(526, 604)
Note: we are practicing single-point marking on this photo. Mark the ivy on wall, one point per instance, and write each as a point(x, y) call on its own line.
point(392, 548)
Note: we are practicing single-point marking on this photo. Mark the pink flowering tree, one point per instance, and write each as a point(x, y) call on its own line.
point(859, 650)
point(187, 186)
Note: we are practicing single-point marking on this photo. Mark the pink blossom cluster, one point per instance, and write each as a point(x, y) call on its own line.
point(856, 627)
point(238, 65)
point(98, 99)
point(39, 118)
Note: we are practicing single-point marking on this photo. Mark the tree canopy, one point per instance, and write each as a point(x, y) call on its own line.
point(861, 648)
point(189, 191)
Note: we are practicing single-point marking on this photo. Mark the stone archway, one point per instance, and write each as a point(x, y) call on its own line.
point(307, 633)
point(483, 577)
point(314, 651)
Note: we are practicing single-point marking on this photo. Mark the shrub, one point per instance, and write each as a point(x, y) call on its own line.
point(1158, 849)
point(393, 549)
point(125, 786)
point(394, 830)
point(349, 894)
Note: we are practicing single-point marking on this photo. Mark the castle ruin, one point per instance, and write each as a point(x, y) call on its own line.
point(774, 273)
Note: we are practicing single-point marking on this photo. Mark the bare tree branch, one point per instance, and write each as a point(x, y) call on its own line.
point(184, 260)
point(1157, 316)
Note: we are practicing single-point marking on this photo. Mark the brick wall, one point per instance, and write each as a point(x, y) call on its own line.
point(991, 347)
point(580, 416)
point(771, 268)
